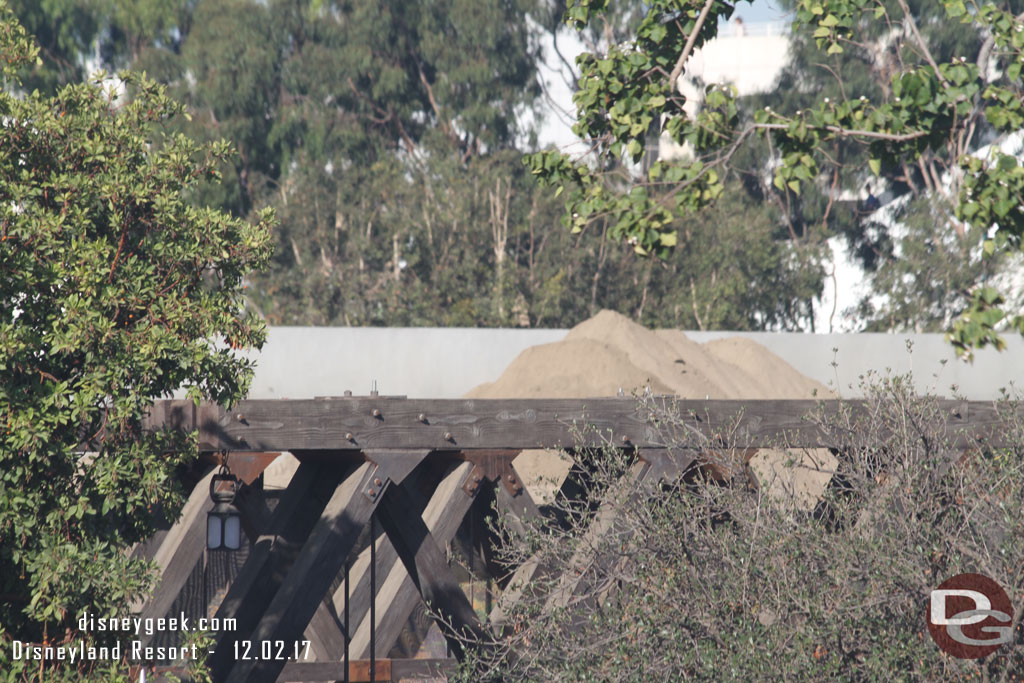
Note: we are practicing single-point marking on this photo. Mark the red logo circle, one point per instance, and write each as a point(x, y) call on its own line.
point(969, 616)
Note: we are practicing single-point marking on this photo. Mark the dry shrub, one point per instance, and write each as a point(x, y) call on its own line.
point(712, 580)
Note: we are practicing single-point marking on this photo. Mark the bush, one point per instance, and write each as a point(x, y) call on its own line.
point(715, 579)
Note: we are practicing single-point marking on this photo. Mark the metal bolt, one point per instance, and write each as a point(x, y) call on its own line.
point(349, 436)
point(372, 492)
point(375, 412)
point(422, 418)
point(376, 482)
point(447, 436)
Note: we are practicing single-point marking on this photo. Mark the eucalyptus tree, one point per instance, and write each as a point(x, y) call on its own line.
point(931, 113)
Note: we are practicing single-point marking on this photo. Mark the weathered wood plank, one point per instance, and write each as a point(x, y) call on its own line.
point(403, 669)
point(397, 595)
point(387, 670)
point(358, 672)
point(461, 424)
point(358, 593)
point(654, 467)
point(595, 550)
point(257, 583)
point(322, 556)
point(518, 507)
point(427, 568)
point(180, 549)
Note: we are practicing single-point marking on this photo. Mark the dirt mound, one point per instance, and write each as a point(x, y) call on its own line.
point(610, 353)
point(572, 368)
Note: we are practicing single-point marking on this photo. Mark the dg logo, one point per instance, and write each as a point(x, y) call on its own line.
point(970, 616)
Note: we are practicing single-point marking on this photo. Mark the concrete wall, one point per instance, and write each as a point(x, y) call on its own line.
point(419, 362)
point(304, 362)
point(931, 361)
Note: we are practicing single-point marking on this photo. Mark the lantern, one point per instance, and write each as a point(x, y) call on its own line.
point(223, 523)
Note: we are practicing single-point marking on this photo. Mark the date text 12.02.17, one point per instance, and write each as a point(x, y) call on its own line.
point(274, 650)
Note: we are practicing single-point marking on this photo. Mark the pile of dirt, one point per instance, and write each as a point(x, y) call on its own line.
point(610, 355)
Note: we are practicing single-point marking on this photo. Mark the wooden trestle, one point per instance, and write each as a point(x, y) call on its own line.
point(356, 543)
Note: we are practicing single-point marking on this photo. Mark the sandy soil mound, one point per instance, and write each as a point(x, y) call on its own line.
point(609, 353)
point(574, 368)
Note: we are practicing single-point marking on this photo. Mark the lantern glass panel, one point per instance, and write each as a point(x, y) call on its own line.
point(214, 531)
point(232, 532)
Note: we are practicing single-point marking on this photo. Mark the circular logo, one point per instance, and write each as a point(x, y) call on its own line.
point(969, 616)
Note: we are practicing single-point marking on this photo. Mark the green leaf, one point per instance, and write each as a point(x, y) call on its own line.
point(876, 166)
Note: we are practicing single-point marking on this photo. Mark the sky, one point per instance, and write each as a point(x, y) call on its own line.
point(759, 11)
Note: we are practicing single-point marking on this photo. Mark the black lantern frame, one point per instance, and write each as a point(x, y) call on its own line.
point(223, 521)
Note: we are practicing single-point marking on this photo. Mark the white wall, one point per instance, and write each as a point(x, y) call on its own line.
point(304, 362)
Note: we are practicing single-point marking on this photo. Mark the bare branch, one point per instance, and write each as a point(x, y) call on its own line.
point(920, 41)
point(853, 133)
point(677, 70)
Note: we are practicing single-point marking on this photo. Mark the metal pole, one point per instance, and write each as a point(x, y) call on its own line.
point(373, 597)
point(348, 633)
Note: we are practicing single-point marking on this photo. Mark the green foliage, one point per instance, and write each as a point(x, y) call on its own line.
point(117, 290)
point(894, 96)
point(927, 274)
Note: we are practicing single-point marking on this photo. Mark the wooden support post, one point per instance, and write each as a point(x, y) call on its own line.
point(322, 556)
point(355, 595)
point(517, 507)
point(181, 548)
point(426, 565)
point(629, 491)
point(656, 467)
point(261, 575)
point(325, 632)
point(397, 595)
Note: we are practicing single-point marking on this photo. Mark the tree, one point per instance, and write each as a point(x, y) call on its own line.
point(920, 261)
point(927, 114)
point(117, 290)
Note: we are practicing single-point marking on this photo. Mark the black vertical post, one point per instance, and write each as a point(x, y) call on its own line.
point(373, 597)
point(348, 631)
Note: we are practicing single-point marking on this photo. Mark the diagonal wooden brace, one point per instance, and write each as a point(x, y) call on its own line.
point(321, 557)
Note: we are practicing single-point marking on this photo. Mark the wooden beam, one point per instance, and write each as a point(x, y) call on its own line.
point(386, 670)
point(397, 595)
point(256, 584)
point(517, 507)
point(358, 592)
point(461, 424)
point(358, 672)
point(653, 468)
point(181, 548)
point(631, 489)
point(427, 567)
point(325, 632)
point(322, 556)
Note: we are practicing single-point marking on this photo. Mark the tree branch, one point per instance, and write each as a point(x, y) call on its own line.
point(677, 70)
point(851, 133)
point(920, 41)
